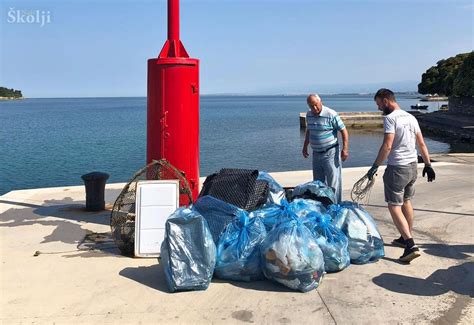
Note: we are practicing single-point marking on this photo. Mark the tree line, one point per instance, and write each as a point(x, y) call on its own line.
point(6, 92)
point(450, 77)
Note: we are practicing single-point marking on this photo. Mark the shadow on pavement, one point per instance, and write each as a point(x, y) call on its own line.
point(394, 260)
point(262, 285)
point(459, 252)
point(458, 278)
point(152, 276)
point(66, 228)
point(65, 208)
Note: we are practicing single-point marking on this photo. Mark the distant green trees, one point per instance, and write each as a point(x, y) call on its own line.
point(5, 92)
point(464, 83)
point(440, 79)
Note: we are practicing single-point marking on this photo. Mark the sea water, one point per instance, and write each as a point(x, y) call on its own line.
point(53, 141)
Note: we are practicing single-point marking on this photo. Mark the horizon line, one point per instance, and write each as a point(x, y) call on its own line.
point(234, 94)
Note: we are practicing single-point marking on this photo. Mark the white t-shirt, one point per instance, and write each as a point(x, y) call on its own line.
point(405, 127)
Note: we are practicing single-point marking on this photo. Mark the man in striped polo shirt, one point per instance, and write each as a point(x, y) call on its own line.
point(322, 125)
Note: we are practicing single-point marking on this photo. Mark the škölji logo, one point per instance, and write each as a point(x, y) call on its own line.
point(40, 17)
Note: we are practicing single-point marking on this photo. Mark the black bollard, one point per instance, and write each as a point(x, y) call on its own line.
point(95, 188)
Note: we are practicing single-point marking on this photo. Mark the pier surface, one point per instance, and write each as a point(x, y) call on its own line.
point(59, 265)
point(355, 120)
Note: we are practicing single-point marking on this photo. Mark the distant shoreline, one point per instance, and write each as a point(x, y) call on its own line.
point(408, 93)
point(434, 99)
point(11, 98)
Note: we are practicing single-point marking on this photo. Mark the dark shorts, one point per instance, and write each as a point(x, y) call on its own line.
point(399, 183)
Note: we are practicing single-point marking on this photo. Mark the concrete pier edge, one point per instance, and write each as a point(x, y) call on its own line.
point(76, 281)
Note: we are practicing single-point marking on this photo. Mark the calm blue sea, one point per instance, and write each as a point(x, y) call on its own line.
point(52, 142)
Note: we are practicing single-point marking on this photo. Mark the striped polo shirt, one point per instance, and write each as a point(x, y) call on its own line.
point(323, 128)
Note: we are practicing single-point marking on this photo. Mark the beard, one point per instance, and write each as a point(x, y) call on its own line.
point(386, 110)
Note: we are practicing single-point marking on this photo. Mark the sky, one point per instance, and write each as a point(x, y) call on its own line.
point(100, 48)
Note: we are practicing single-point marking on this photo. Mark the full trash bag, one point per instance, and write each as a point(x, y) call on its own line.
point(276, 192)
point(365, 241)
point(331, 240)
point(301, 207)
point(315, 190)
point(291, 256)
point(188, 252)
point(217, 213)
point(238, 249)
point(271, 214)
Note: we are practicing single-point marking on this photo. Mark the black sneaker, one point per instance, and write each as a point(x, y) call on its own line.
point(410, 254)
point(400, 242)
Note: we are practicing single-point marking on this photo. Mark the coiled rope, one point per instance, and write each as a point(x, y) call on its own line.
point(361, 190)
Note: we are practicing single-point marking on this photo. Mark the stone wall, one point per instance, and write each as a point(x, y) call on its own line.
point(461, 105)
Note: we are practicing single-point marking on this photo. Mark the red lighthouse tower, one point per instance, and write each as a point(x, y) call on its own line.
point(173, 105)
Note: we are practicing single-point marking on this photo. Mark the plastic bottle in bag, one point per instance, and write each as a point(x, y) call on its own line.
point(291, 256)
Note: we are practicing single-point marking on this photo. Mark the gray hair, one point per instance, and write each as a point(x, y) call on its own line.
point(315, 96)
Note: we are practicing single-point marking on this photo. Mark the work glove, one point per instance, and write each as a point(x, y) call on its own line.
point(428, 170)
point(372, 171)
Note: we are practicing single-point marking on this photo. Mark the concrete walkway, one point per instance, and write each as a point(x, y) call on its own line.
point(58, 264)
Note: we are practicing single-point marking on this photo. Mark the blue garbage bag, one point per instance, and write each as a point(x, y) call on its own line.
point(238, 249)
point(276, 192)
point(365, 241)
point(217, 213)
point(188, 252)
point(315, 190)
point(291, 256)
point(301, 207)
point(271, 214)
point(331, 240)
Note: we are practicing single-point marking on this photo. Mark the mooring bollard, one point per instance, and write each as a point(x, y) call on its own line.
point(95, 188)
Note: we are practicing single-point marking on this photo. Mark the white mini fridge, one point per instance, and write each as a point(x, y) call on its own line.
point(155, 202)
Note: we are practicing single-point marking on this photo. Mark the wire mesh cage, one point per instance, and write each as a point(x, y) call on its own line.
point(239, 187)
point(122, 218)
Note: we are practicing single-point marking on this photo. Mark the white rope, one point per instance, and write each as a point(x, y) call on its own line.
point(361, 190)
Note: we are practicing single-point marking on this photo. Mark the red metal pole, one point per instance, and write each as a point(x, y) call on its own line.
point(173, 20)
point(173, 106)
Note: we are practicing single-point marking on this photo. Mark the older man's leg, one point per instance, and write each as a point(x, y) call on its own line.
point(318, 167)
point(332, 168)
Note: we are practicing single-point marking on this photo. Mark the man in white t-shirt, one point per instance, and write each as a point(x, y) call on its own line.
point(402, 134)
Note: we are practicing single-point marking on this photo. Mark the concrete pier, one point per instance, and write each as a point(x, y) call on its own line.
point(459, 127)
point(59, 265)
point(355, 120)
